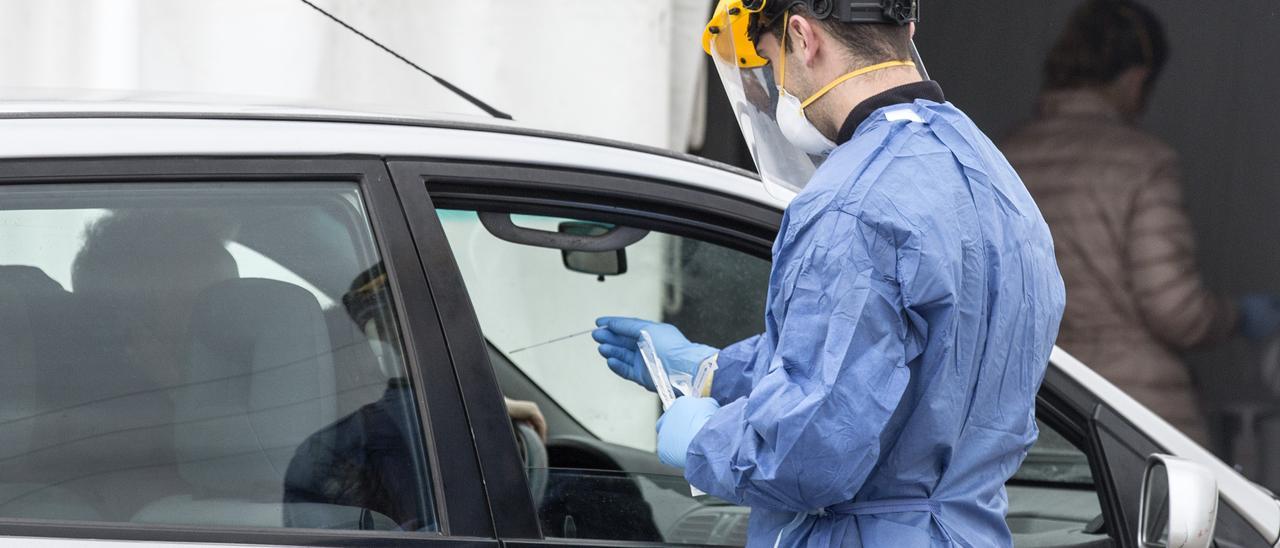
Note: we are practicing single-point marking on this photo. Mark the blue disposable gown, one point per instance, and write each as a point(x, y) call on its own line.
point(913, 305)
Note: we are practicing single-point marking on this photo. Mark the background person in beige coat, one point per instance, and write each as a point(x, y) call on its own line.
point(1112, 197)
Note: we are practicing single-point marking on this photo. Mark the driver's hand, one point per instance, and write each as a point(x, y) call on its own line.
point(527, 412)
point(618, 338)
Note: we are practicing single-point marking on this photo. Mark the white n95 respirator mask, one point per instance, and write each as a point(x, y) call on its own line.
point(795, 125)
point(797, 128)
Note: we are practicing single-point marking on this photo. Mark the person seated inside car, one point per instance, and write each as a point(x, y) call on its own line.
point(363, 459)
point(135, 282)
point(142, 272)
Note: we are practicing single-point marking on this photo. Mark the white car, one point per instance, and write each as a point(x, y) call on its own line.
point(295, 327)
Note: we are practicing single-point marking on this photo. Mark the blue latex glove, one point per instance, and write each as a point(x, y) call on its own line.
point(678, 426)
point(1259, 316)
point(618, 338)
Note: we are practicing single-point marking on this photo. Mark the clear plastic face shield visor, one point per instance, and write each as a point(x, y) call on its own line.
point(753, 94)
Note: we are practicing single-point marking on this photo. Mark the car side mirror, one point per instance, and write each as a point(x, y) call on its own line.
point(1179, 506)
point(596, 263)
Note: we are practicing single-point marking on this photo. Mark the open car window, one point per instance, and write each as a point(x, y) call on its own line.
point(211, 355)
point(537, 307)
point(537, 310)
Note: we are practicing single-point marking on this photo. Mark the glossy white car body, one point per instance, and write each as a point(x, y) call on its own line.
point(51, 130)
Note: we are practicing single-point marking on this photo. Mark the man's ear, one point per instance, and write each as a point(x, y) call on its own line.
point(806, 38)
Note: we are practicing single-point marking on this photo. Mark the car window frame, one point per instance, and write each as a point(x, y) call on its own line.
point(704, 214)
point(1075, 408)
point(460, 505)
point(1063, 405)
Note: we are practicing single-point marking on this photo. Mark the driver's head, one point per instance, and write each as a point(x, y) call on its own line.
point(1116, 48)
point(368, 303)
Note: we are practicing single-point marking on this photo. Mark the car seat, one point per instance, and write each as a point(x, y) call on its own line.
point(33, 310)
point(259, 380)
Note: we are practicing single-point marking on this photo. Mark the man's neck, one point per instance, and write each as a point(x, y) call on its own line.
point(829, 112)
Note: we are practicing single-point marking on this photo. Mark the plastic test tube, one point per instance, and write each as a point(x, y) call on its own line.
point(700, 381)
point(661, 382)
point(657, 371)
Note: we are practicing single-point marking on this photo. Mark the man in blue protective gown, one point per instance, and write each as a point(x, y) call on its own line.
point(912, 307)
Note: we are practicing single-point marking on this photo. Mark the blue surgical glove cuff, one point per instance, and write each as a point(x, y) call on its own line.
point(678, 426)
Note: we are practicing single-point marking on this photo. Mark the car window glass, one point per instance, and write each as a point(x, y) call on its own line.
point(1055, 460)
point(1053, 499)
point(539, 313)
point(222, 355)
point(1233, 531)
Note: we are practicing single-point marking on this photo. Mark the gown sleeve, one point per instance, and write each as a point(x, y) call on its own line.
point(734, 369)
point(808, 435)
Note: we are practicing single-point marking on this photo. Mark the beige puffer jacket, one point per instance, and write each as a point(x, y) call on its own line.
point(1111, 196)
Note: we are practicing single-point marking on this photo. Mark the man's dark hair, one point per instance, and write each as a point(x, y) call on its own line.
point(1102, 40)
point(866, 42)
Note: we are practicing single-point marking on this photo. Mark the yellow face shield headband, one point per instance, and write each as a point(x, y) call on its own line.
point(728, 34)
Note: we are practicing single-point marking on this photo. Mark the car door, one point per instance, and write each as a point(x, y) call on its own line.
point(601, 450)
point(224, 350)
point(704, 266)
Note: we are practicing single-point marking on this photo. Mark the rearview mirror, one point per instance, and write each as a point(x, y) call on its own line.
point(1179, 506)
point(596, 263)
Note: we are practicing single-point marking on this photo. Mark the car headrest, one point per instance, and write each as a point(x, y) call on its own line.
point(258, 380)
point(26, 295)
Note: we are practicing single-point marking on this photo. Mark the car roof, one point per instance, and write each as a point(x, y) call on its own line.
point(43, 129)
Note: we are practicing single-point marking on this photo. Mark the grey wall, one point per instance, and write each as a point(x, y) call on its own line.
point(1217, 104)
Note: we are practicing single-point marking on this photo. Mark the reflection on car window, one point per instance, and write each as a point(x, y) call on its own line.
point(539, 313)
point(256, 265)
point(217, 355)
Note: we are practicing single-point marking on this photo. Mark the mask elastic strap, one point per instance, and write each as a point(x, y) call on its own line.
point(782, 63)
point(850, 76)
